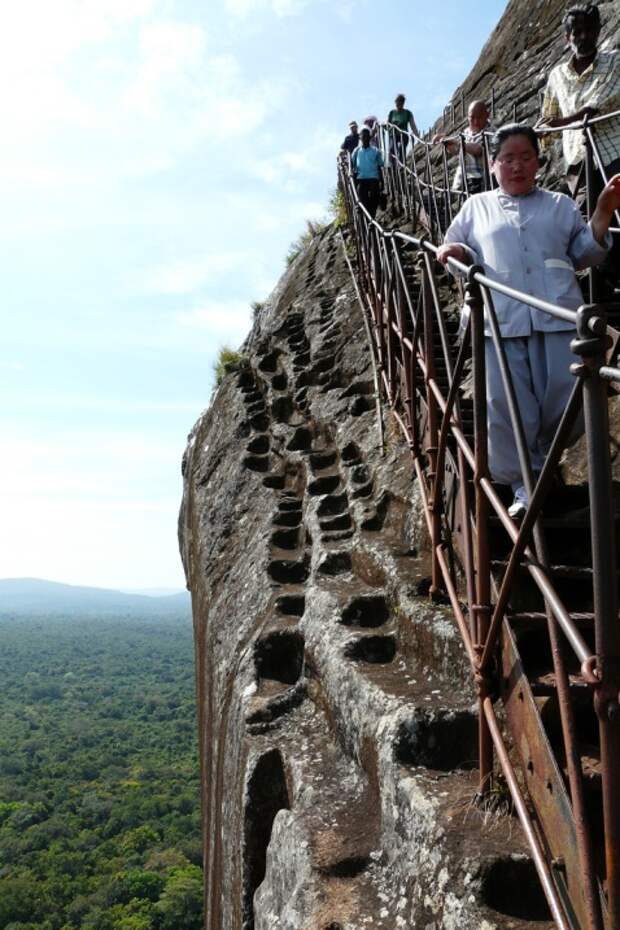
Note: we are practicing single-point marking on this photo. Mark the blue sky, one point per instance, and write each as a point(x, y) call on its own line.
point(158, 157)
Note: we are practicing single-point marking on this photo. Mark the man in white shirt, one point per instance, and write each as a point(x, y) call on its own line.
point(473, 138)
point(588, 84)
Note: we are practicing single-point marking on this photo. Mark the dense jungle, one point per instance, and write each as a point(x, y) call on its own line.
point(99, 780)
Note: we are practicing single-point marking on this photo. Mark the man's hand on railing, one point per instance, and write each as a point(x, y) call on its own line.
point(557, 121)
point(453, 250)
point(607, 203)
point(449, 141)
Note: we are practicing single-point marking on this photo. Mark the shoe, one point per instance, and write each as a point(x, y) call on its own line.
point(517, 510)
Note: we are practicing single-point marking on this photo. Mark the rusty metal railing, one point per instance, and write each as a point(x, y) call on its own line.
point(424, 361)
point(418, 181)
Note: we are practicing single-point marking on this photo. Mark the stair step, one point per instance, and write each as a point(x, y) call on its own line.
point(536, 616)
point(579, 572)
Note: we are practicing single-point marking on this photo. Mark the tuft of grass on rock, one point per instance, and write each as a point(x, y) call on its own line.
point(337, 208)
point(313, 228)
point(228, 360)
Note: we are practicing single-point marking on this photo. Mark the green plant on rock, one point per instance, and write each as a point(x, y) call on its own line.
point(338, 208)
point(228, 360)
point(257, 307)
point(313, 229)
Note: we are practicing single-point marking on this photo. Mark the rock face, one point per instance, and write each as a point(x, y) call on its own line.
point(337, 720)
point(336, 711)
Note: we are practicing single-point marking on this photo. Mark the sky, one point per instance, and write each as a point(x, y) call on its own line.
point(157, 159)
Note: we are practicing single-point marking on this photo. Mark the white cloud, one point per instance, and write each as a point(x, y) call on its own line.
point(104, 404)
point(128, 544)
point(283, 8)
point(243, 8)
point(288, 169)
point(225, 320)
point(150, 91)
point(172, 61)
point(184, 276)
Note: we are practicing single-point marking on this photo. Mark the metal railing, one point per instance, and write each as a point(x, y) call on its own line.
point(424, 363)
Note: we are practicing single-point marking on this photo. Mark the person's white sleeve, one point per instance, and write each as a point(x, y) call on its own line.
point(460, 232)
point(584, 251)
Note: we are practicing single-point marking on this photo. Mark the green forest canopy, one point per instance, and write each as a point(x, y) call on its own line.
point(99, 780)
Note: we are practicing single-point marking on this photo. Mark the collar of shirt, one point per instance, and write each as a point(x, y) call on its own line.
point(505, 197)
point(600, 63)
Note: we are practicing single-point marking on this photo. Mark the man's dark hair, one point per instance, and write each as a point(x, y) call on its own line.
point(589, 11)
point(513, 129)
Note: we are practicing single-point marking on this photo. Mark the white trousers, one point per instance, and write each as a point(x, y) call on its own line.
point(540, 369)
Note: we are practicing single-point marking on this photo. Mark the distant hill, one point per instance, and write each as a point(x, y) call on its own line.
point(21, 596)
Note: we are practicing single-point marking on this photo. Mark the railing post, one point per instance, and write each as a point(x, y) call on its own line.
point(388, 315)
point(590, 206)
point(591, 345)
point(482, 607)
point(433, 423)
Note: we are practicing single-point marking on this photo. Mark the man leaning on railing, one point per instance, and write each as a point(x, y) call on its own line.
point(473, 142)
point(587, 85)
point(530, 240)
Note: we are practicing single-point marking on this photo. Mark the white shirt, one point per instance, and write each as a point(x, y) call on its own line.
point(598, 87)
point(532, 243)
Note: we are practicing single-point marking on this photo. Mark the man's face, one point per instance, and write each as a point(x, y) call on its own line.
point(353, 128)
point(582, 36)
point(478, 117)
point(516, 165)
point(365, 137)
point(400, 103)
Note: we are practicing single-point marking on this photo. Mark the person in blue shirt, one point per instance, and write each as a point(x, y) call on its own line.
point(367, 164)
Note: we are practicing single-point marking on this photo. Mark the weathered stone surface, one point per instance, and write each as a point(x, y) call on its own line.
point(336, 706)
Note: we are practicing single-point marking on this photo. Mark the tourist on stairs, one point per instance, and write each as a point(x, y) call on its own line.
point(367, 162)
point(403, 120)
point(533, 241)
point(473, 141)
point(351, 141)
point(587, 85)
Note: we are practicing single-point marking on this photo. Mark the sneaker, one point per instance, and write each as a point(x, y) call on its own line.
point(517, 510)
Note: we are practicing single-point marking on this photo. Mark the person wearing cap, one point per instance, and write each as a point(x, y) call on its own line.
point(351, 141)
point(373, 125)
point(403, 120)
point(367, 162)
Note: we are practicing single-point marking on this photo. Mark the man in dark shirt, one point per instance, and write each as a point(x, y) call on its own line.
point(351, 141)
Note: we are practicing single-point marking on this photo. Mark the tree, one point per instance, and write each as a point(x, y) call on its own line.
point(180, 905)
